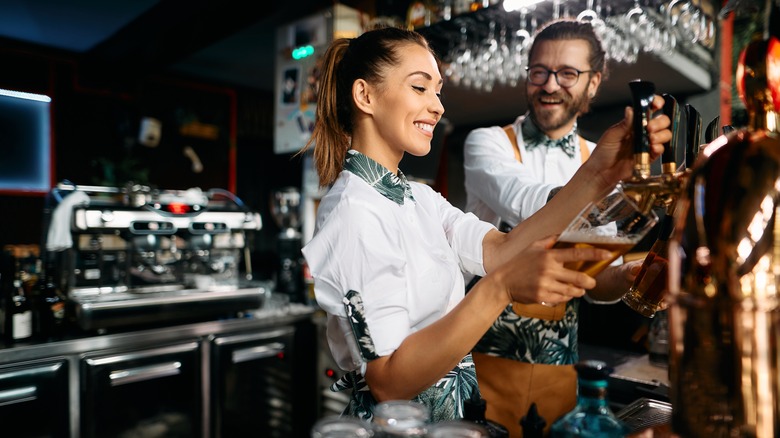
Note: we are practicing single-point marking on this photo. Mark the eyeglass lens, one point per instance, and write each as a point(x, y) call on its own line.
point(565, 77)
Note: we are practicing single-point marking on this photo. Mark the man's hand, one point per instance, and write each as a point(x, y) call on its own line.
point(613, 158)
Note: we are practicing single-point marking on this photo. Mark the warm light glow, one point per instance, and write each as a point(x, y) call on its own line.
point(744, 248)
point(715, 145)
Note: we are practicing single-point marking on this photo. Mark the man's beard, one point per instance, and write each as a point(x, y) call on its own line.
point(551, 120)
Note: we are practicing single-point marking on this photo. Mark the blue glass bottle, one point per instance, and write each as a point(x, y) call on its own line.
point(592, 416)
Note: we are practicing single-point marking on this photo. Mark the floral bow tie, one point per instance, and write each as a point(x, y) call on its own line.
point(535, 138)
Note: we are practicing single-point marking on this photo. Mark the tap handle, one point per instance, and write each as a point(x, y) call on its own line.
point(642, 97)
point(713, 130)
point(669, 156)
point(693, 135)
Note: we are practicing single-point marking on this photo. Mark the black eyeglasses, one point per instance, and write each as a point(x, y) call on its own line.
point(565, 77)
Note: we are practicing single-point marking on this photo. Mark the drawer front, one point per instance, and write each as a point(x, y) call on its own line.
point(34, 400)
point(253, 384)
point(143, 392)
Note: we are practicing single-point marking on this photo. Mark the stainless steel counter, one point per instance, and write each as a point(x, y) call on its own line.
point(634, 376)
point(262, 318)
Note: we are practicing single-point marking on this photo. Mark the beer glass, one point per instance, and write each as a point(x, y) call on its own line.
point(649, 289)
point(615, 223)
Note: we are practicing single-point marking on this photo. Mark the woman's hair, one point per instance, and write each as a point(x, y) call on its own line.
point(366, 57)
point(567, 29)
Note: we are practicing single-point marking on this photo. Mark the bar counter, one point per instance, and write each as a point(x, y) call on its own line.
point(215, 378)
point(86, 342)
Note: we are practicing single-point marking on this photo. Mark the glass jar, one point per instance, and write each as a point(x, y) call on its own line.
point(457, 429)
point(336, 426)
point(401, 418)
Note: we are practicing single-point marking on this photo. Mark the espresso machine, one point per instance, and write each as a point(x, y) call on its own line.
point(133, 255)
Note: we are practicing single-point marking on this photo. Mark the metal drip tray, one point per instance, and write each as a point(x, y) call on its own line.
point(644, 413)
point(128, 308)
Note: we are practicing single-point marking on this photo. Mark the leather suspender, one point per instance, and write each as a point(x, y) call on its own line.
point(510, 132)
point(539, 311)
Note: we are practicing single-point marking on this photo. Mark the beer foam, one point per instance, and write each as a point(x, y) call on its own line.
point(584, 237)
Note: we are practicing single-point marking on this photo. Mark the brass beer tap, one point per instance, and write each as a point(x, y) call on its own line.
point(693, 135)
point(647, 293)
point(647, 190)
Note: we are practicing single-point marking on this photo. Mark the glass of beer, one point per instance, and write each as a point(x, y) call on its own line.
point(615, 223)
point(650, 286)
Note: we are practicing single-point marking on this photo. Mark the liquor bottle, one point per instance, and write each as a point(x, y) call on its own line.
point(474, 411)
point(723, 320)
point(6, 291)
point(591, 417)
point(650, 286)
point(17, 311)
point(22, 314)
point(50, 309)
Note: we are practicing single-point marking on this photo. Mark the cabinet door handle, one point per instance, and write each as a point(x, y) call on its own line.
point(259, 352)
point(140, 374)
point(18, 395)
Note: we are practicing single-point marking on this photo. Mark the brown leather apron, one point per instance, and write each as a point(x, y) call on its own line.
point(510, 386)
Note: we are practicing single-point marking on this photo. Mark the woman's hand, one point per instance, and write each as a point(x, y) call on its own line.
point(537, 274)
point(613, 158)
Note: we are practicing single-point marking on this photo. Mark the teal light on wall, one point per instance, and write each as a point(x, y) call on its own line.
point(302, 52)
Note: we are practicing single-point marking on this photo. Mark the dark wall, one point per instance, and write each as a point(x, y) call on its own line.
point(96, 119)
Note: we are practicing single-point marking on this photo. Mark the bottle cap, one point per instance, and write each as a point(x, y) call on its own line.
point(593, 370)
point(532, 423)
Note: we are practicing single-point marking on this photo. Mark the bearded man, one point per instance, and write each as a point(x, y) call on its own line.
point(510, 173)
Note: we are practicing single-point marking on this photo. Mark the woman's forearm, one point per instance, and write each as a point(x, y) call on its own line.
point(428, 354)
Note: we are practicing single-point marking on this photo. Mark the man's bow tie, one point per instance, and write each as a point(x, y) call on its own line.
point(534, 137)
point(565, 143)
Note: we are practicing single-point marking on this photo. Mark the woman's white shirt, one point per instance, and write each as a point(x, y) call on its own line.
point(405, 261)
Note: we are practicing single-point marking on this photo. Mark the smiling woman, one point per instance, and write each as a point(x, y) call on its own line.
point(379, 99)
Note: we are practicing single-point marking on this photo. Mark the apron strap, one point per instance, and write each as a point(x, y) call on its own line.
point(510, 132)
